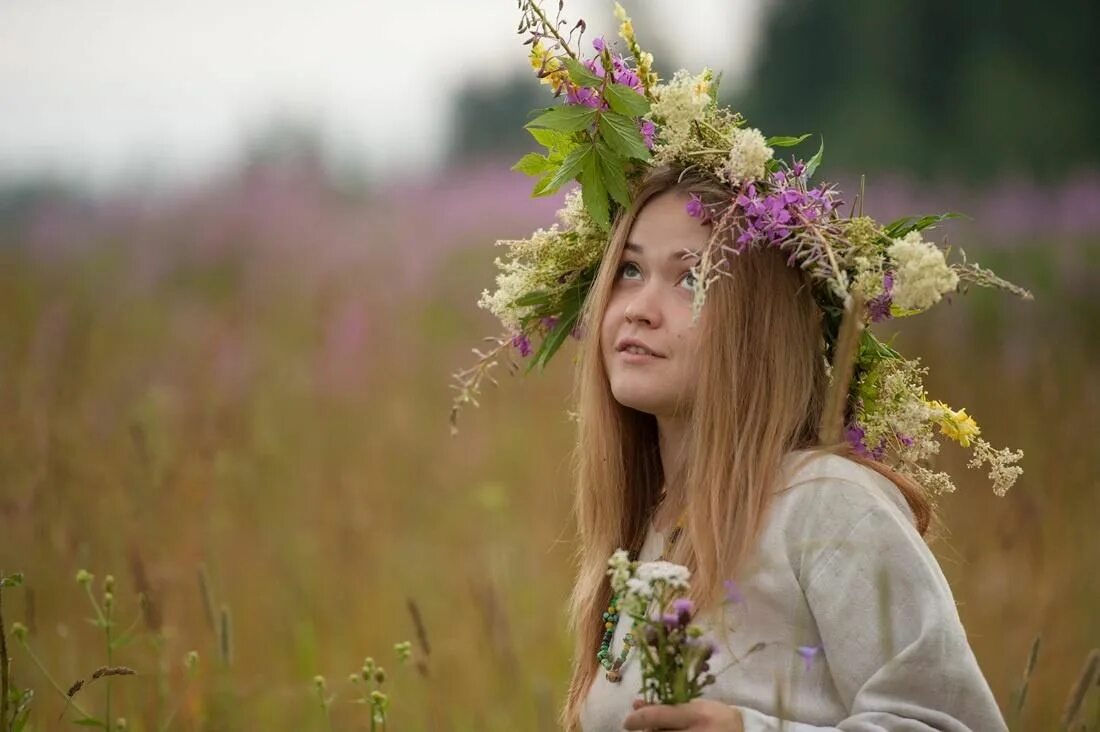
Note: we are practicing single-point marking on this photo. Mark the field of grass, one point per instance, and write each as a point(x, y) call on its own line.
point(251, 381)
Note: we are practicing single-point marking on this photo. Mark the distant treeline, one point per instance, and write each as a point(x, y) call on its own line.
point(971, 90)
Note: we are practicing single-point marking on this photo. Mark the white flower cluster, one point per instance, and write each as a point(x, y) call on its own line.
point(575, 217)
point(641, 582)
point(1001, 469)
point(517, 277)
point(898, 407)
point(680, 101)
point(868, 276)
point(923, 274)
point(749, 153)
point(936, 482)
point(672, 575)
point(620, 568)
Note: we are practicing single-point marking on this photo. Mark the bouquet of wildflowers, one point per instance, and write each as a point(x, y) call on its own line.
point(674, 655)
point(618, 118)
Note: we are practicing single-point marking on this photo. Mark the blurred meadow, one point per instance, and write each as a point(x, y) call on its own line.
point(233, 397)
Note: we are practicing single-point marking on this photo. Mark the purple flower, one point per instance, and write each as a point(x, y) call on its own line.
point(733, 592)
point(808, 653)
point(599, 44)
point(879, 307)
point(549, 322)
point(695, 208)
point(523, 343)
point(855, 434)
point(671, 620)
point(581, 95)
point(649, 131)
point(684, 609)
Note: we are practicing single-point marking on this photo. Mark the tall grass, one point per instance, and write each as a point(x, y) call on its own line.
point(248, 385)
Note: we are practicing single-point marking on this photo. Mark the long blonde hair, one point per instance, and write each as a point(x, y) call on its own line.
point(759, 394)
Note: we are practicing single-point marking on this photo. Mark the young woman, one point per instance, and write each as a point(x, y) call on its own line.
point(809, 566)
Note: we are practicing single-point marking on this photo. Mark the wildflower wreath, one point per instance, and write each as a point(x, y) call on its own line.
point(618, 119)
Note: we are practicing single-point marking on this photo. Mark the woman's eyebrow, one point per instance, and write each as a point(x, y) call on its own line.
point(682, 254)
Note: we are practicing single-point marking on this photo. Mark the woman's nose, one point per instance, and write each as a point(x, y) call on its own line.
point(643, 308)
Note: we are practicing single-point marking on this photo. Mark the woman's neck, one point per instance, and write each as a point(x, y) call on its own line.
point(672, 433)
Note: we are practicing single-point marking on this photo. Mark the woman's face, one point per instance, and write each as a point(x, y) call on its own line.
point(650, 305)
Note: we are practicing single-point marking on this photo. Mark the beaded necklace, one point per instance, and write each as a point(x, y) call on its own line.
point(613, 665)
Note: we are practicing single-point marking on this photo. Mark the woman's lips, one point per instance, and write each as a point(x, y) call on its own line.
point(629, 357)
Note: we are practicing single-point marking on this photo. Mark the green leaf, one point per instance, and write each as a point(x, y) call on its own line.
point(570, 118)
point(540, 186)
point(534, 164)
point(567, 319)
point(594, 192)
point(550, 139)
point(625, 100)
point(12, 580)
point(623, 136)
point(901, 227)
point(580, 75)
point(569, 170)
point(785, 141)
point(89, 722)
point(815, 160)
point(612, 173)
point(538, 297)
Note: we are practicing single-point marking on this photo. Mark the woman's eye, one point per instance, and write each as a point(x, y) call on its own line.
point(626, 267)
point(690, 279)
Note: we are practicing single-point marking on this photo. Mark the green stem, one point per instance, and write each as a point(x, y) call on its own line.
point(554, 32)
point(107, 631)
point(95, 605)
point(53, 682)
point(4, 663)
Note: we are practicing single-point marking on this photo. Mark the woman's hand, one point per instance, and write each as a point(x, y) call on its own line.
point(698, 715)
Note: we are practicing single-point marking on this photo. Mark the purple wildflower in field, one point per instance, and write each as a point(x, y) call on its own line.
point(523, 343)
point(695, 208)
point(549, 322)
point(808, 653)
point(599, 44)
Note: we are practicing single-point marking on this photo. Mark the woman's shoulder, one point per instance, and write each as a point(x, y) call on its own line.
point(832, 489)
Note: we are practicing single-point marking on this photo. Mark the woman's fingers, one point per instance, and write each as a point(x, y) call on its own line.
point(657, 716)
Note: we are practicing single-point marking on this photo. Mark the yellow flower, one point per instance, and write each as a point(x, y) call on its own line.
point(959, 426)
point(542, 61)
point(626, 30)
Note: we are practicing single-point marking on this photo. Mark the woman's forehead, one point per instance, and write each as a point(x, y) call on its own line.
point(664, 225)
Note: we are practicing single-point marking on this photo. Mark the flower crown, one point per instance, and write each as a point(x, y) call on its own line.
point(618, 120)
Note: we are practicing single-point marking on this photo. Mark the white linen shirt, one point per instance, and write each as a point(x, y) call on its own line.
point(840, 567)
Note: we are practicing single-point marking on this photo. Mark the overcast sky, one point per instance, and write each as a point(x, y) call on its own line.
point(99, 89)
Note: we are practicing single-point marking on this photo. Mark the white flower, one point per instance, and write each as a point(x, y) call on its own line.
point(637, 587)
point(1002, 471)
point(619, 571)
point(680, 101)
point(673, 575)
point(749, 153)
point(923, 274)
